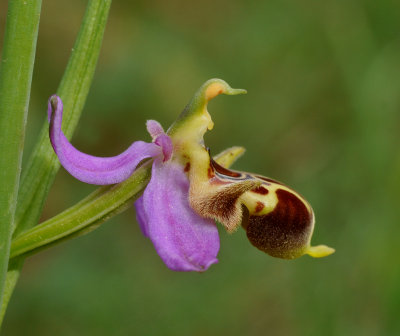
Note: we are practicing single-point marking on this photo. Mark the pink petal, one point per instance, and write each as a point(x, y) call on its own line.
point(160, 138)
point(92, 169)
point(165, 142)
point(154, 128)
point(184, 240)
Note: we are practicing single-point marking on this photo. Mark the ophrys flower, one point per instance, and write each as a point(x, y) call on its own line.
point(189, 190)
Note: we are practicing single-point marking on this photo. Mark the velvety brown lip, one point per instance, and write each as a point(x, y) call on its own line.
point(284, 230)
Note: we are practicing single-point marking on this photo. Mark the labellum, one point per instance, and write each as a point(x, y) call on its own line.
point(277, 219)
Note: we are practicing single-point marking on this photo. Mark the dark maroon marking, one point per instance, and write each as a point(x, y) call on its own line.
point(210, 172)
point(268, 179)
point(260, 190)
point(284, 232)
point(259, 206)
point(223, 170)
point(187, 167)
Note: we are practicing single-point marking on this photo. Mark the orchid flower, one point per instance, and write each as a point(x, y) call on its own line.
point(189, 190)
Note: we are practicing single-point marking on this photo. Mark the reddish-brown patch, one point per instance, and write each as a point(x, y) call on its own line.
point(187, 167)
point(259, 206)
point(210, 172)
point(260, 190)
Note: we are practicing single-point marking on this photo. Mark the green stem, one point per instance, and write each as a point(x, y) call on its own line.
point(86, 215)
point(43, 164)
point(73, 90)
point(15, 85)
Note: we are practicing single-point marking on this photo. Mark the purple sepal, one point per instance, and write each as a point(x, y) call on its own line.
point(184, 240)
point(141, 216)
point(92, 169)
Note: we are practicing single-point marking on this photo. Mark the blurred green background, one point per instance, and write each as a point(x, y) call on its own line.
point(322, 113)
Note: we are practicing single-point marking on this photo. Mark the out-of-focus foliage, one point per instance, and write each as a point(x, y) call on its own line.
point(322, 114)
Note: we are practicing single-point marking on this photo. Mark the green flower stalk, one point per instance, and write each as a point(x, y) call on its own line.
point(43, 164)
point(15, 84)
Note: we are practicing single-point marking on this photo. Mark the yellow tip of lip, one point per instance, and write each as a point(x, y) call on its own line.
point(320, 251)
